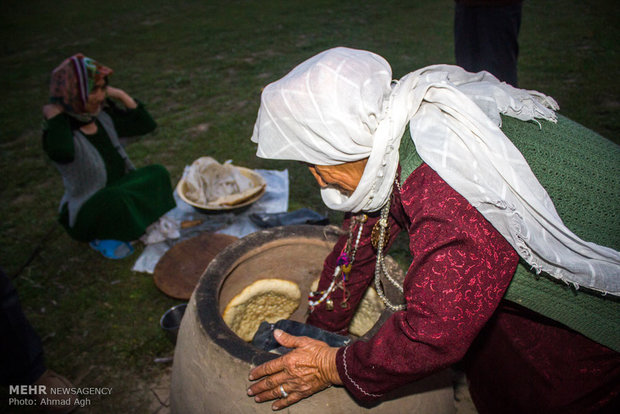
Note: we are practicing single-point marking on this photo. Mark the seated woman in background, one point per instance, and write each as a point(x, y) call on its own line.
point(106, 197)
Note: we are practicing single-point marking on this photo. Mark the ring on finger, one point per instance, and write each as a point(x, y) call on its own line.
point(283, 393)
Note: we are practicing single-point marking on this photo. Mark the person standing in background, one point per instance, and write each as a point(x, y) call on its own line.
point(486, 37)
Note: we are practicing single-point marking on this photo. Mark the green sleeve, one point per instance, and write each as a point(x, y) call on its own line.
point(58, 139)
point(131, 122)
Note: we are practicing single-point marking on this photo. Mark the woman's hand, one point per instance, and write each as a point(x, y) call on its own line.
point(121, 95)
point(51, 110)
point(308, 369)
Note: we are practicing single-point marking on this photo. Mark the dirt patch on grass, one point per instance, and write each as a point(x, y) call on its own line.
point(160, 393)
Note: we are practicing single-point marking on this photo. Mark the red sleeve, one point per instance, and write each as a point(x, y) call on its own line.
point(460, 270)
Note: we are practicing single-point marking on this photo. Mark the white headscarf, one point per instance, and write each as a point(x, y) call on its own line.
point(341, 106)
point(327, 111)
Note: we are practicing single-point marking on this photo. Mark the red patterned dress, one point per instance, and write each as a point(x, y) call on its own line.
point(460, 270)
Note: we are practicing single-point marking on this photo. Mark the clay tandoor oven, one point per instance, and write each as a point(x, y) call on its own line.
point(211, 363)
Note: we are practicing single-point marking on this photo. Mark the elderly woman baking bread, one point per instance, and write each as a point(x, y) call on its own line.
point(106, 197)
point(490, 249)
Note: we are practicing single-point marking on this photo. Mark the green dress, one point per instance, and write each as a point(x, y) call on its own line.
point(130, 200)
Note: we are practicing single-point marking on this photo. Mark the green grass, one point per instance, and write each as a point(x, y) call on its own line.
point(200, 66)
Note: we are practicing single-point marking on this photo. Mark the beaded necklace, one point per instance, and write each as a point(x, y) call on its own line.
point(379, 239)
point(343, 267)
point(380, 229)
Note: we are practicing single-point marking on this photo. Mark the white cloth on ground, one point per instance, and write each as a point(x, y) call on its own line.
point(238, 223)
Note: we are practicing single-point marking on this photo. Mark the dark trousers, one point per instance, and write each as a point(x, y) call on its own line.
point(486, 38)
point(21, 353)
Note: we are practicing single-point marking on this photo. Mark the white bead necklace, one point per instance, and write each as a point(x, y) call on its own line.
point(380, 268)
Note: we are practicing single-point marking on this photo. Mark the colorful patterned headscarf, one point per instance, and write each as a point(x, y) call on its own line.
point(72, 81)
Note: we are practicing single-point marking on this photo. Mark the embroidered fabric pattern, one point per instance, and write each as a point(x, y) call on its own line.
point(460, 269)
point(535, 370)
point(344, 359)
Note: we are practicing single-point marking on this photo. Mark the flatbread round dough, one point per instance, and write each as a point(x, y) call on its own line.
point(367, 313)
point(264, 300)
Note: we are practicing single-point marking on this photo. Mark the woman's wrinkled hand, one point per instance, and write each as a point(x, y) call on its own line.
point(307, 369)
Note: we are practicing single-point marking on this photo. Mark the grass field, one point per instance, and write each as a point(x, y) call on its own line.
point(200, 66)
